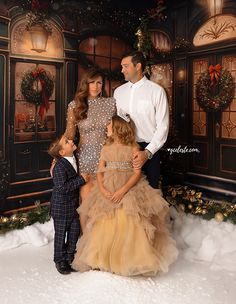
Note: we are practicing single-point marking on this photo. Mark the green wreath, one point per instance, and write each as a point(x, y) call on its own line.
point(215, 92)
point(41, 95)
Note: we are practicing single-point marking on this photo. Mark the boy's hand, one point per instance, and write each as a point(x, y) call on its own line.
point(86, 177)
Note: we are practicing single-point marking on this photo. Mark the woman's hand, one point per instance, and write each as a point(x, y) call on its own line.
point(118, 195)
point(52, 166)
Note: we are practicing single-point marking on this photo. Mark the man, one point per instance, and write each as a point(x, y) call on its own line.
point(146, 103)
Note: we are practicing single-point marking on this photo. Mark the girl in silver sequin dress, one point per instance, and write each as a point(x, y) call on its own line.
point(90, 113)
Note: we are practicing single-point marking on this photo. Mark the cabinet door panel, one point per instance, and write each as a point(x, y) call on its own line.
point(23, 166)
point(44, 158)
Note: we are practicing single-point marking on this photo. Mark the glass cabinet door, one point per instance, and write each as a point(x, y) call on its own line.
point(29, 125)
point(32, 129)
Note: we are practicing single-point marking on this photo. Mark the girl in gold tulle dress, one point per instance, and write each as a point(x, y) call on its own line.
point(126, 232)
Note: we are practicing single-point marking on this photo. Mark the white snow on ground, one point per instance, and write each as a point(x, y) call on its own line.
point(205, 271)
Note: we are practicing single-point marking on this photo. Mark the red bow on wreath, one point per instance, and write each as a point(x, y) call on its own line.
point(45, 98)
point(214, 72)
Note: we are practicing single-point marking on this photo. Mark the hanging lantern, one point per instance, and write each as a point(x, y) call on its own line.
point(215, 7)
point(39, 38)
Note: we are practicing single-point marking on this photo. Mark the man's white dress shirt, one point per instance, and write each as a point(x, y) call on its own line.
point(146, 103)
point(73, 162)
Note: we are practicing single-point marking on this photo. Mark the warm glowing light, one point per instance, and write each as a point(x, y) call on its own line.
point(181, 75)
point(39, 38)
point(215, 7)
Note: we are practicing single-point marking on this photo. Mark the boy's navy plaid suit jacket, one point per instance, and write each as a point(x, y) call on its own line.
point(65, 194)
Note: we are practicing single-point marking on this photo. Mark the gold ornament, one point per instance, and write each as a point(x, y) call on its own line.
point(219, 217)
point(5, 219)
point(190, 206)
point(198, 210)
point(204, 211)
point(198, 194)
point(139, 33)
point(14, 217)
point(182, 207)
point(23, 219)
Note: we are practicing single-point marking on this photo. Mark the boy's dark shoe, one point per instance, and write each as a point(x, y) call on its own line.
point(70, 268)
point(63, 268)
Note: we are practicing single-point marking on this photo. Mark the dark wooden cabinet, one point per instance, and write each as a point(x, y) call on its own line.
point(30, 136)
point(213, 134)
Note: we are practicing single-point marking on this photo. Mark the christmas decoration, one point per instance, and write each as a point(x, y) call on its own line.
point(99, 16)
point(157, 12)
point(215, 89)
point(144, 42)
point(38, 14)
point(181, 44)
point(219, 217)
point(20, 220)
point(182, 198)
point(37, 87)
point(188, 200)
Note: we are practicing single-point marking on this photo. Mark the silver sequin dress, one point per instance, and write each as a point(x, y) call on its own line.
point(92, 131)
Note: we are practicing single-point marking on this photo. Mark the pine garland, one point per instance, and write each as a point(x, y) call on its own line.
point(190, 201)
point(21, 220)
point(180, 197)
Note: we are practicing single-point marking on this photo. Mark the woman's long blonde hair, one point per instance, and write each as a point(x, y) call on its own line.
point(82, 93)
point(122, 130)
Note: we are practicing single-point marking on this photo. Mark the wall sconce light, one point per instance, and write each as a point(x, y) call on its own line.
point(215, 7)
point(181, 75)
point(38, 25)
point(39, 38)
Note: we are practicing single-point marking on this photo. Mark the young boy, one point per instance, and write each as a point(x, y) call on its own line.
point(64, 202)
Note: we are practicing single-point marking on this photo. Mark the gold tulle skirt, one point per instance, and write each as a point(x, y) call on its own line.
point(130, 238)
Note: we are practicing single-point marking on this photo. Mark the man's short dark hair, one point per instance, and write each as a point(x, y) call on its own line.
point(137, 57)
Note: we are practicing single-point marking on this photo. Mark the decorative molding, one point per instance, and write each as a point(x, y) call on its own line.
point(216, 29)
point(38, 58)
point(2, 156)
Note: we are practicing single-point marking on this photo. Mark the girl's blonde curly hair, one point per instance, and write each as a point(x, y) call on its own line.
point(123, 131)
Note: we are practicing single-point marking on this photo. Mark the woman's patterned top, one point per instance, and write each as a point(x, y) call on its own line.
point(92, 131)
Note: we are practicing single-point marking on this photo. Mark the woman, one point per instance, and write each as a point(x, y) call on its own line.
point(90, 113)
